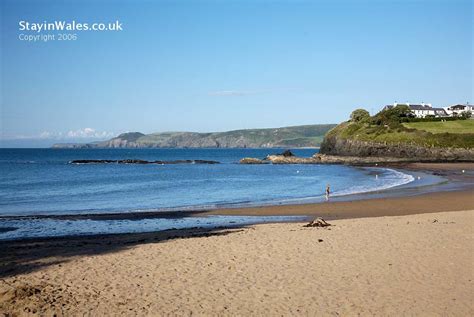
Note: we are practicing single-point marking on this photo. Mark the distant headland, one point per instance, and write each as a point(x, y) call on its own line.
point(288, 137)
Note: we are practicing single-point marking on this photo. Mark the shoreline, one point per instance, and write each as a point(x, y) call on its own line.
point(402, 200)
point(376, 207)
point(437, 200)
point(399, 200)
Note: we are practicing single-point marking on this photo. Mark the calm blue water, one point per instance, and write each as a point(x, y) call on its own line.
point(41, 182)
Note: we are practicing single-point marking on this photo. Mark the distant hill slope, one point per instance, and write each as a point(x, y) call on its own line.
point(292, 137)
point(388, 135)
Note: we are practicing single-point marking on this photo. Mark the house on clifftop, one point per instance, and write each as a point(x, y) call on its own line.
point(421, 110)
point(458, 109)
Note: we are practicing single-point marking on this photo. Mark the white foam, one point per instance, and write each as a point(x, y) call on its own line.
point(398, 179)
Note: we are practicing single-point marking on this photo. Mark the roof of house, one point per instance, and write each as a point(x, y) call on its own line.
point(420, 107)
point(459, 106)
point(438, 111)
point(412, 107)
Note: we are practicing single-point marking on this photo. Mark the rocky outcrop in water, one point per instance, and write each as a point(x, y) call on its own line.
point(334, 159)
point(135, 161)
point(252, 160)
point(281, 159)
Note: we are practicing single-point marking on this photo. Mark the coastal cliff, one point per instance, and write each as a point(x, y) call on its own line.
point(335, 145)
point(392, 134)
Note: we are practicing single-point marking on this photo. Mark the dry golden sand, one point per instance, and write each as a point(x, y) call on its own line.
point(403, 265)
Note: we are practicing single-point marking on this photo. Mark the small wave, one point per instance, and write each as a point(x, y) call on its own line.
point(399, 179)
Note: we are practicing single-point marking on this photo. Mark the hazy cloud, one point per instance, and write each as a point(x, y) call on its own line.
point(86, 133)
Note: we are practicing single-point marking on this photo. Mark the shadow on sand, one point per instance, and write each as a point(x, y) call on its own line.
point(24, 256)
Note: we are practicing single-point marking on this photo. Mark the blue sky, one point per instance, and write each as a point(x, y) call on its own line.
point(222, 65)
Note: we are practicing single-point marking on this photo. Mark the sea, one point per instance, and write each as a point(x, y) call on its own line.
point(42, 194)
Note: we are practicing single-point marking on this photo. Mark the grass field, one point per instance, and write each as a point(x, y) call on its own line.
point(458, 126)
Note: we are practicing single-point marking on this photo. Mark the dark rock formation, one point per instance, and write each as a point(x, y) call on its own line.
point(135, 161)
point(287, 153)
point(92, 161)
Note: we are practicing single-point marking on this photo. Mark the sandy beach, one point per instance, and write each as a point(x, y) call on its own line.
point(404, 265)
point(388, 256)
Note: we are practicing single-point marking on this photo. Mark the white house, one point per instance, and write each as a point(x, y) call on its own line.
point(421, 110)
point(458, 109)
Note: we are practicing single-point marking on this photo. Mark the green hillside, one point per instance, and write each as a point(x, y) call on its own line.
point(389, 127)
point(297, 136)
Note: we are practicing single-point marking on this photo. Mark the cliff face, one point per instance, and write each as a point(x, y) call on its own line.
point(337, 145)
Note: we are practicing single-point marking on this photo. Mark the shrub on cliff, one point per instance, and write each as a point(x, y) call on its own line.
point(359, 115)
point(393, 116)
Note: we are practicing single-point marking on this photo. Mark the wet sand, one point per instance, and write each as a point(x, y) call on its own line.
point(394, 206)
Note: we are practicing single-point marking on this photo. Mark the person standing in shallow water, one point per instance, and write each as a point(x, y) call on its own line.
point(328, 191)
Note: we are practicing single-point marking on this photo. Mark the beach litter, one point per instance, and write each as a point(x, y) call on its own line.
point(318, 222)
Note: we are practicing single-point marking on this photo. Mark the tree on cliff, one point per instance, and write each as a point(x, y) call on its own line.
point(359, 115)
point(392, 117)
